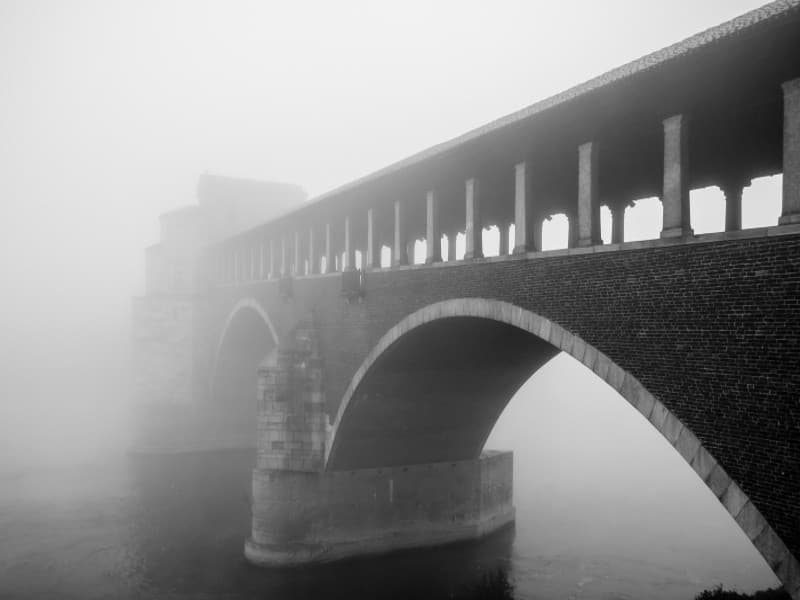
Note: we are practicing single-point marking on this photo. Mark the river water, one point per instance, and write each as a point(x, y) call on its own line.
point(173, 527)
point(605, 509)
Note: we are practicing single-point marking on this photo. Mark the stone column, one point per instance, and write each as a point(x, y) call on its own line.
point(790, 212)
point(262, 261)
point(284, 257)
point(473, 247)
point(733, 204)
point(588, 195)
point(273, 259)
point(523, 201)
point(400, 253)
point(330, 266)
point(502, 228)
point(451, 245)
point(433, 235)
point(618, 222)
point(675, 196)
point(349, 253)
point(298, 255)
point(252, 263)
point(572, 231)
point(410, 251)
point(373, 258)
point(313, 263)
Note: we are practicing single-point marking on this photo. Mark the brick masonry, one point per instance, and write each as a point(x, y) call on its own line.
point(710, 330)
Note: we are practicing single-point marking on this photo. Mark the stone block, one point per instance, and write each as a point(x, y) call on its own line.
point(733, 499)
point(567, 339)
point(615, 377)
point(671, 428)
point(578, 348)
point(589, 357)
point(788, 571)
point(640, 398)
point(771, 547)
point(658, 415)
point(718, 481)
point(544, 329)
point(556, 334)
point(751, 521)
point(687, 445)
point(601, 365)
point(703, 463)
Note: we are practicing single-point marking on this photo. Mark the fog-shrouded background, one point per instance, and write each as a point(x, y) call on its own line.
point(110, 110)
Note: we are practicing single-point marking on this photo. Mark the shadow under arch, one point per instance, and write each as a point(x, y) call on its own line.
point(246, 337)
point(385, 417)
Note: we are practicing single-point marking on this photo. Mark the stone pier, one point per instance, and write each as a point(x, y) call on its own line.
point(303, 514)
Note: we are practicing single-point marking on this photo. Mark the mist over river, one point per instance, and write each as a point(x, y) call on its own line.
point(594, 520)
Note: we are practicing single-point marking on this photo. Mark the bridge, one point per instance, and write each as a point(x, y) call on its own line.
point(369, 381)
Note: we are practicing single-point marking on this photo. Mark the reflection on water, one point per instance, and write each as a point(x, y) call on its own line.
point(173, 527)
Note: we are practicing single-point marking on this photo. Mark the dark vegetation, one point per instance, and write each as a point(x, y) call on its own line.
point(718, 593)
point(492, 586)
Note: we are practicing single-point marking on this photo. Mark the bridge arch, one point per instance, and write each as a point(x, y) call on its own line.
point(246, 337)
point(546, 339)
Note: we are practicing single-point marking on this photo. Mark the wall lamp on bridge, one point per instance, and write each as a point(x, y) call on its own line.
point(353, 285)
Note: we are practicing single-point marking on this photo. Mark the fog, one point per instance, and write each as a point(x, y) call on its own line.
point(109, 112)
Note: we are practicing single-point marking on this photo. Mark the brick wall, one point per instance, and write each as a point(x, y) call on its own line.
point(712, 330)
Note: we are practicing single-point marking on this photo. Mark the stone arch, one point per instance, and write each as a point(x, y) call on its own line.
point(229, 413)
point(727, 491)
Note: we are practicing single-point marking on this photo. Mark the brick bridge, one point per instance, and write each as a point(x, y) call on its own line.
point(370, 385)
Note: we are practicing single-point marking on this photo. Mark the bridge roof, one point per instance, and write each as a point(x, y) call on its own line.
point(757, 20)
point(739, 25)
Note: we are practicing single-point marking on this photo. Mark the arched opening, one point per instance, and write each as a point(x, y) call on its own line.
point(229, 416)
point(435, 394)
point(595, 485)
point(555, 232)
point(761, 202)
point(434, 386)
point(707, 210)
point(643, 221)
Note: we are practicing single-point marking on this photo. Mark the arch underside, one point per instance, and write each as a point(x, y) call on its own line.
point(435, 395)
point(228, 416)
point(434, 386)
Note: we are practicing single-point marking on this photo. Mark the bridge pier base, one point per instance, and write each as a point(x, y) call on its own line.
point(303, 514)
point(302, 518)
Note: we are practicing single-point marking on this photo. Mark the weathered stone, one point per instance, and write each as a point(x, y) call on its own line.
point(703, 463)
point(771, 547)
point(733, 499)
point(750, 520)
point(687, 445)
point(718, 481)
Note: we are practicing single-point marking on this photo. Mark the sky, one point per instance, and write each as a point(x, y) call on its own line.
point(110, 110)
